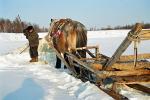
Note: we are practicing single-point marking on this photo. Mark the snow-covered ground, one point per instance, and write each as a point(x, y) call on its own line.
point(21, 80)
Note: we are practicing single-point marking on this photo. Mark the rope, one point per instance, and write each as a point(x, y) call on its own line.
point(133, 37)
point(136, 39)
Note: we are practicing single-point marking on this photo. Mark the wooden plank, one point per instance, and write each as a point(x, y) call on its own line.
point(122, 66)
point(130, 66)
point(140, 88)
point(87, 50)
point(104, 74)
point(63, 60)
point(145, 35)
point(96, 66)
point(132, 57)
point(71, 56)
point(93, 56)
point(124, 45)
point(131, 79)
point(102, 56)
point(114, 94)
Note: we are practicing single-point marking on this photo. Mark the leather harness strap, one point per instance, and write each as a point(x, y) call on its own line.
point(57, 32)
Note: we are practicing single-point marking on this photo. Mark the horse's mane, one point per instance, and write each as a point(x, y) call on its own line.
point(80, 29)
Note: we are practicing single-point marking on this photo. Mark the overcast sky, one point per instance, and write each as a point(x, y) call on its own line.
point(92, 13)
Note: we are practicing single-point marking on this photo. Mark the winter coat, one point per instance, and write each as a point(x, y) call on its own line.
point(32, 37)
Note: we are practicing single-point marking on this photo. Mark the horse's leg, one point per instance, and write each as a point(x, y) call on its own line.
point(66, 59)
point(82, 53)
point(58, 62)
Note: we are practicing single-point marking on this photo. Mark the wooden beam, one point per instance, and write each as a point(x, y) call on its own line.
point(114, 94)
point(122, 66)
point(145, 35)
point(104, 74)
point(140, 88)
point(132, 57)
point(124, 45)
point(93, 56)
point(131, 79)
point(130, 66)
point(87, 50)
point(74, 58)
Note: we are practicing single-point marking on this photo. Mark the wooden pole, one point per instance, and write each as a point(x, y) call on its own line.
point(124, 45)
point(24, 49)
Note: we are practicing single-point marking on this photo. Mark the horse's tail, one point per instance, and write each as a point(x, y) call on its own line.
point(81, 38)
point(81, 35)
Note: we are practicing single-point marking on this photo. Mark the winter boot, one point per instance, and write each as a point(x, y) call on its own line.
point(36, 58)
point(33, 60)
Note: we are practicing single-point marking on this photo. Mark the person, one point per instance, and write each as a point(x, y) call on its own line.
point(33, 39)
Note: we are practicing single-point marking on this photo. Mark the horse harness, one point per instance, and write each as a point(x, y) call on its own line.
point(58, 30)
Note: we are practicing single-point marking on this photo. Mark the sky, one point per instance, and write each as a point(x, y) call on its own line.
point(92, 13)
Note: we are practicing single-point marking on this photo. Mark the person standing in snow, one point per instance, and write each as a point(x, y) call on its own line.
point(33, 39)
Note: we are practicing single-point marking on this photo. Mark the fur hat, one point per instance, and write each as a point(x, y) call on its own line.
point(29, 28)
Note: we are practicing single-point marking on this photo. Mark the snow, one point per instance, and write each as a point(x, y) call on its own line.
point(56, 84)
point(16, 39)
point(41, 81)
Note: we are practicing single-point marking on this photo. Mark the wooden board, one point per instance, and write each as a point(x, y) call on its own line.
point(122, 66)
point(140, 88)
point(131, 79)
point(105, 74)
point(145, 35)
point(114, 94)
point(132, 57)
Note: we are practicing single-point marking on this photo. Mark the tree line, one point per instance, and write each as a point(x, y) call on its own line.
point(145, 26)
point(17, 26)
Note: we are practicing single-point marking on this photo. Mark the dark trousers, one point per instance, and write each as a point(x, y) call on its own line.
point(33, 51)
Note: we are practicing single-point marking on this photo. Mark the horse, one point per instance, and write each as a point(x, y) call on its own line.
point(67, 35)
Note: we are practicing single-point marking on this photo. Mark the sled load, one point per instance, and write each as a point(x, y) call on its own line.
point(110, 72)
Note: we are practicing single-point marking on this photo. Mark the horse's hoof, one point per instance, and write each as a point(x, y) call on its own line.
point(57, 67)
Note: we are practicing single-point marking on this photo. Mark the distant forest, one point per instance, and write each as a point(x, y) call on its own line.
point(145, 26)
point(17, 26)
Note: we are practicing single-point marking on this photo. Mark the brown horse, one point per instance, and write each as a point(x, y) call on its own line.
point(67, 35)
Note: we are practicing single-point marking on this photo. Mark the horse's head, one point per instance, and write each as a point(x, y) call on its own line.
point(56, 24)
